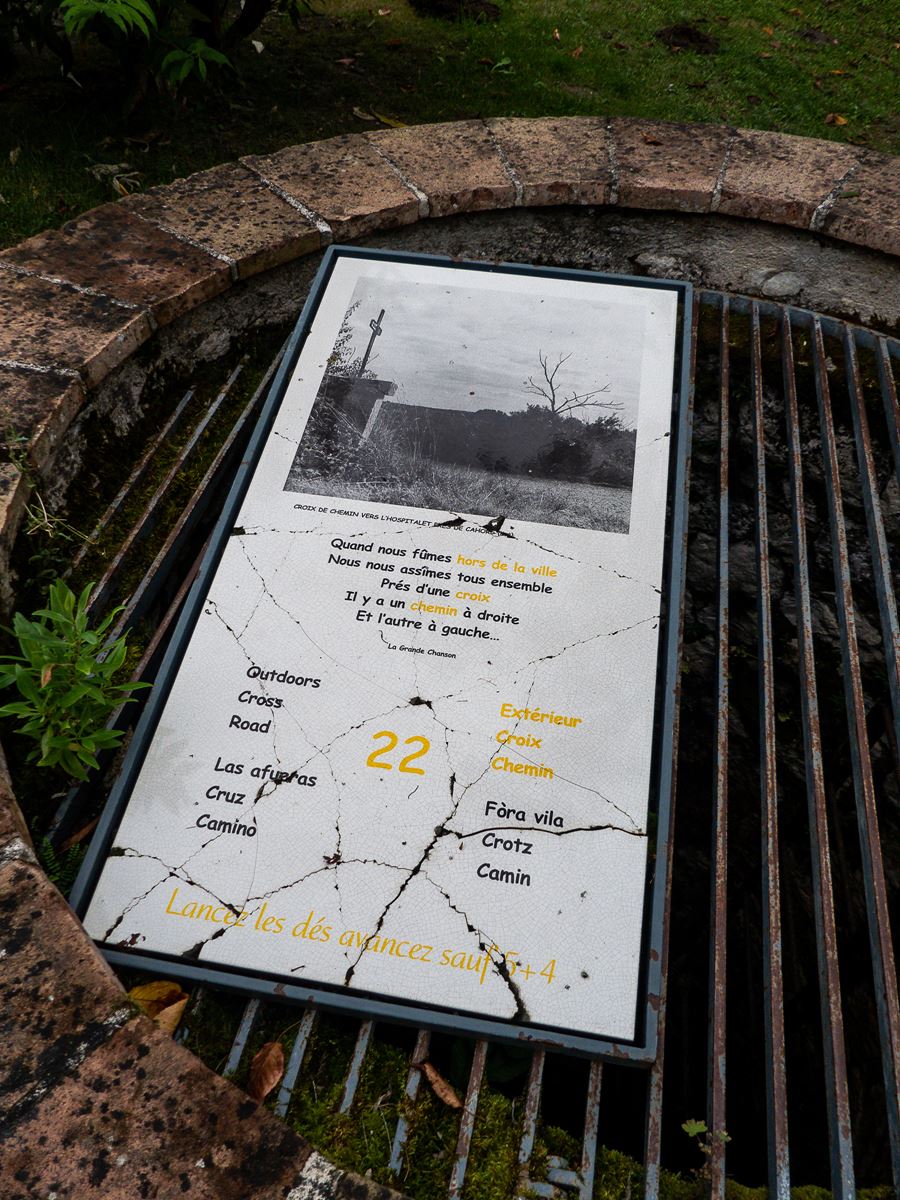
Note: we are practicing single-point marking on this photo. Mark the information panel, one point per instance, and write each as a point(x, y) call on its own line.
point(406, 747)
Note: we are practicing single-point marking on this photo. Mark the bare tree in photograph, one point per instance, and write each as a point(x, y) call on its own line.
point(427, 431)
point(549, 389)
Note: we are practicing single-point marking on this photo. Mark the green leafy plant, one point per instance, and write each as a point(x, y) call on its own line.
point(64, 675)
point(126, 15)
point(707, 1141)
point(193, 57)
point(61, 865)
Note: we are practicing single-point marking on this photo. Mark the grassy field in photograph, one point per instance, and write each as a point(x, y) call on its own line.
point(455, 489)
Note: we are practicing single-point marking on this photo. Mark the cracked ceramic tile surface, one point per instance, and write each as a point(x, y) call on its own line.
point(457, 820)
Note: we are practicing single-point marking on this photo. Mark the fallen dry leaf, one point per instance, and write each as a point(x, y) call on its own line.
point(362, 115)
point(441, 1088)
point(167, 1020)
point(835, 119)
point(837, 72)
point(578, 51)
point(651, 140)
point(386, 120)
point(163, 1000)
point(14, 155)
point(393, 43)
point(345, 62)
point(266, 1070)
point(556, 35)
point(152, 998)
point(769, 30)
point(384, 12)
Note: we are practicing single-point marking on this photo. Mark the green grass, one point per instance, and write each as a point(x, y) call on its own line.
point(413, 69)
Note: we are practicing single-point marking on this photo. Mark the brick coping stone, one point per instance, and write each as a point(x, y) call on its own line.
point(94, 1100)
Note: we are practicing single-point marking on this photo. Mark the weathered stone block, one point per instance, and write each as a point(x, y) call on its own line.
point(57, 991)
point(14, 491)
point(230, 212)
point(15, 840)
point(556, 160)
point(661, 164)
point(36, 409)
point(344, 181)
point(780, 178)
point(867, 209)
point(141, 1117)
point(455, 165)
point(54, 326)
point(113, 252)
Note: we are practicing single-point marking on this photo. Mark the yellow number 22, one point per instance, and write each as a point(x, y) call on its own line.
point(376, 759)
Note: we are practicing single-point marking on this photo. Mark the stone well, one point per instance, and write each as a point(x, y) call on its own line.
point(95, 313)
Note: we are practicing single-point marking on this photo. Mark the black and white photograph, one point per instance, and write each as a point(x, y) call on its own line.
point(492, 404)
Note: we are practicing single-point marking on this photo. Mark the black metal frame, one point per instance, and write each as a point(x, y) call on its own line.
point(643, 1049)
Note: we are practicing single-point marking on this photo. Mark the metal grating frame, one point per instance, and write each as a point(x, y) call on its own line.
point(796, 451)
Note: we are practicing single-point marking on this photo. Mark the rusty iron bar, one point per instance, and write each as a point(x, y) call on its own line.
point(146, 665)
point(773, 985)
point(529, 1120)
point(134, 480)
point(653, 1129)
point(881, 559)
point(591, 1131)
point(200, 500)
point(195, 999)
point(413, 1082)
point(467, 1123)
point(716, 1121)
point(880, 944)
point(836, 1092)
point(151, 513)
point(295, 1062)
point(889, 396)
point(146, 591)
point(241, 1037)
point(351, 1083)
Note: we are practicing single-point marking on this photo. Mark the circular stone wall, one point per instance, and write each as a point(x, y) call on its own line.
point(97, 1100)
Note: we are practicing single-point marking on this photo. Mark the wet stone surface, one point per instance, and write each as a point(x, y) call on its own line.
point(644, 152)
point(866, 210)
point(55, 326)
point(57, 992)
point(342, 181)
point(773, 177)
point(230, 212)
point(140, 1117)
point(556, 162)
point(36, 406)
point(15, 840)
point(457, 166)
point(113, 252)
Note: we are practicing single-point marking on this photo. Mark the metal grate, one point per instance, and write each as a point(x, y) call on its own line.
point(780, 1024)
